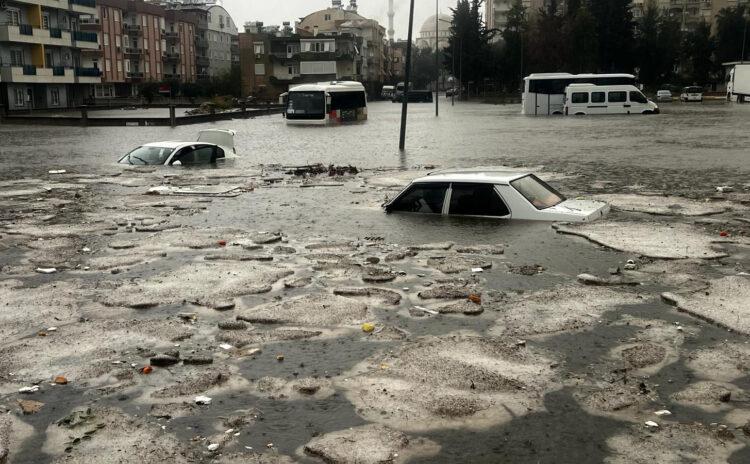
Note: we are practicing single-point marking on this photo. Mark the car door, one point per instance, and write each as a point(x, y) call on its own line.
point(424, 198)
point(617, 102)
point(195, 155)
point(476, 199)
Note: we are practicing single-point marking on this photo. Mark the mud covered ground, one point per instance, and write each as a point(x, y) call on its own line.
point(245, 314)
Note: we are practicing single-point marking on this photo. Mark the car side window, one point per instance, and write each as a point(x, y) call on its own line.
point(637, 97)
point(580, 97)
point(618, 97)
point(598, 97)
point(196, 154)
point(220, 153)
point(422, 198)
point(476, 200)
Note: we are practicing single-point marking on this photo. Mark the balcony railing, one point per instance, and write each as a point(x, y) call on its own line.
point(172, 76)
point(133, 51)
point(26, 29)
point(131, 28)
point(87, 3)
point(134, 75)
point(172, 57)
point(29, 70)
point(88, 72)
point(58, 70)
point(172, 35)
point(89, 22)
point(82, 36)
point(55, 33)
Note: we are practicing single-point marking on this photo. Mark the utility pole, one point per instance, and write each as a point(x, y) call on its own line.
point(744, 38)
point(407, 78)
point(437, 58)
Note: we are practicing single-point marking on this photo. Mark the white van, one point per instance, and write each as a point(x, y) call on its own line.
point(582, 99)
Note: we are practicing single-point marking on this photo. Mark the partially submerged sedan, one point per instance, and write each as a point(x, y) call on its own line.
point(212, 145)
point(492, 193)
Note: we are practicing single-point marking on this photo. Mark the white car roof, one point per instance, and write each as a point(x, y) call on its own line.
point(483, 176)
point(169, 144)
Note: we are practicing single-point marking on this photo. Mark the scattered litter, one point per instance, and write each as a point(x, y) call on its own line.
point(146, 370)
point(57, 171)
point(651, 424)
point(46, 270)
point(368, 327)
point(27, 390)
point(663, 412)
point(60, 380)
point(202, 400)
point(213, 446)
point(229, 431)
point(630, 265)
point(52, 329)
point(475, 298)
point(279, 357)
point(222, 243)
point(724, 189)
point(428, 311)
point(724, 233)
point(86, 250)
point(477, 269)
point(252, 351)
point(226, 346)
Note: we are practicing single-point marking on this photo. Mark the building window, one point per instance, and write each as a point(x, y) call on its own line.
point(119, 66)
point(104, 12)
point(156, 22)
point(145, 44)
point(106, 39)
point(293, 70)
point(260, 69)
point(259, 48)
point(328, 17)
point(14, 17)
point(144, 20)
point(45, 21)
point(118, 41)
point(16, 58)
point(147, 67)
point(108, 65)
point(158, 68)
point(54, 95)
point(117, 15)
point(20, 99)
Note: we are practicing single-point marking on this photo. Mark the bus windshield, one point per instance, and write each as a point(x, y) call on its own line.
point(306, 105)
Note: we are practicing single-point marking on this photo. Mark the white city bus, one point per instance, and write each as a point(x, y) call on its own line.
point(326, 103)
point(544, 94)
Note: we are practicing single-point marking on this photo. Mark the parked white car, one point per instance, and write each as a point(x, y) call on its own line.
point(492, 193)
point(664, 96)
point(212, 145)
point(583, 99)
point(691, 94)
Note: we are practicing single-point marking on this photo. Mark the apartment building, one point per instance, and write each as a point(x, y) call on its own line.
point(217, 42)
point(271, 62)
point(496, 11)
point(689, 13)
point(143, 42)
point(346, 20)
point(46, 59)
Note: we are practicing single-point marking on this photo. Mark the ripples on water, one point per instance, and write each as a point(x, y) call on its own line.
point(687, 136)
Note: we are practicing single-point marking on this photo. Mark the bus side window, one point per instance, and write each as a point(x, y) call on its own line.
point(598, 97)
point(580, 97)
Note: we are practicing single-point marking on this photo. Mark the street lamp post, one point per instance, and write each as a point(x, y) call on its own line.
point(437, 57)
point(407, 78)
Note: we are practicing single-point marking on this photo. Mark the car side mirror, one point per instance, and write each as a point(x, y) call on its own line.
point(177, 163)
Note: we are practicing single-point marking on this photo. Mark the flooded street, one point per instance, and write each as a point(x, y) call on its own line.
point(323, 330)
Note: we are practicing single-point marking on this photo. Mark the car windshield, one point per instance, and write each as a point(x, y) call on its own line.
point(147, 155)
point(539, 194)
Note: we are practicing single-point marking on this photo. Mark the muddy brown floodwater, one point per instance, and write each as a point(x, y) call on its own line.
point(264, 317)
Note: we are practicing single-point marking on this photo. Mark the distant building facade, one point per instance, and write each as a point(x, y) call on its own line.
point(346, 20)
point(427, 33)
point(273, 60)
point(49, 53)
point(689, 13)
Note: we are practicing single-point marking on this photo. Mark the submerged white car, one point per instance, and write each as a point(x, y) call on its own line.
point(492, 193)
point(212, 145)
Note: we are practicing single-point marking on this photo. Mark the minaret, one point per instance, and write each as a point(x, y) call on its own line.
point(391, 14)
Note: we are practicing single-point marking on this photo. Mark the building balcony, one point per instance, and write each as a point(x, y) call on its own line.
point(90, 24)
point(203, 75)
point(31, 74)
point(83, 6)
point(133, 51)
point(84, 39)
point(93, 51)
point(59, 4)
point(134, 75)
point(172, 76)
point(202, 61)
point(171, 35)
point(131, 29)
point(25, 33)
point(172, 57)
point(88, 75)
point(201, 42)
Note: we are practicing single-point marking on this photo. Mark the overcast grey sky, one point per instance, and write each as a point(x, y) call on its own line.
point(278, 11)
